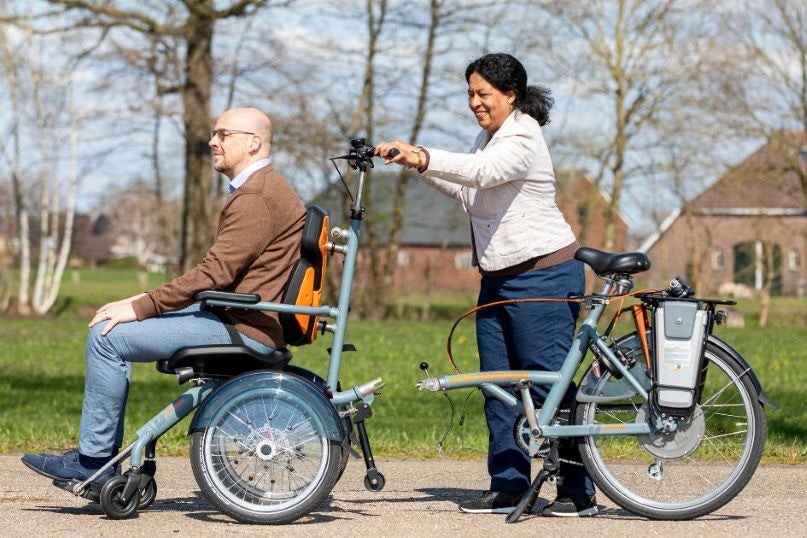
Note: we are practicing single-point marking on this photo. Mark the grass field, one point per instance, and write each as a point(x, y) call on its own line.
point(42, 377)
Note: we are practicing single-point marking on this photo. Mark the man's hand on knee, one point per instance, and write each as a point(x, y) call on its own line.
point(114, 313)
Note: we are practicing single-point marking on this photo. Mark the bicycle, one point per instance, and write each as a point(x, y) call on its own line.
point(669, 419)
point(269, 440)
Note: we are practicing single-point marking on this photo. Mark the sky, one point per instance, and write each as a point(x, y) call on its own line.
point(325, 46)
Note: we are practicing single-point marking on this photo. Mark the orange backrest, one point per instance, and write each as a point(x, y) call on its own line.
point(307, 278)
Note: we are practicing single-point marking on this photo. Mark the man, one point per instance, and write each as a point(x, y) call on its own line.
point(256, 244)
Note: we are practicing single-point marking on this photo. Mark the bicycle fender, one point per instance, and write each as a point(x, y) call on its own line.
point(281, 383)
point(764, 399)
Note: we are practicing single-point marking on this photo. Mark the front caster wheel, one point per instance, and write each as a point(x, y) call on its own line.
point(111, 502)
point(148, 495)
point(375, 484)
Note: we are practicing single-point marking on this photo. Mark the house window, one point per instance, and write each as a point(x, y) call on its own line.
point(794, 259)
point(403, 258)
point(718, 262)
point(462, 260)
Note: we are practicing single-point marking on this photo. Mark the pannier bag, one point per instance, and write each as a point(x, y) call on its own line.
point(680, 336)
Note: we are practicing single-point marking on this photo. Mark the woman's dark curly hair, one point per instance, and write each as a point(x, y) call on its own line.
point(505, 73)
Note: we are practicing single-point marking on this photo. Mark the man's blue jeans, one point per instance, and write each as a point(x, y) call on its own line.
point(109, 367)
point(528, 336)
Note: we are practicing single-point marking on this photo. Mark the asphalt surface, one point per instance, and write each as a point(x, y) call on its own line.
point(420, 499)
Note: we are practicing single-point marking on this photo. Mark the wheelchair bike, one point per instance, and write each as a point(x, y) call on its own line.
point(269, 440)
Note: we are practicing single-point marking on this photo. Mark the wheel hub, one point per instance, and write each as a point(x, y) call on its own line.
point(268, 444)
point(266, 450)
point(676, 444)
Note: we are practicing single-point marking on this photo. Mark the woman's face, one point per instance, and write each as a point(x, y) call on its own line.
point(490, 106)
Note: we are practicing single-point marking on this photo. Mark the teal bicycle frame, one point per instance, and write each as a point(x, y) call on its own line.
point(492, 382)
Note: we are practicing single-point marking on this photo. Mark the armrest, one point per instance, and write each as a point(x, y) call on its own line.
point(245, 298)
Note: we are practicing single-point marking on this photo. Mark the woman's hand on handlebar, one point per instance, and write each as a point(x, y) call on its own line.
point(407, 154)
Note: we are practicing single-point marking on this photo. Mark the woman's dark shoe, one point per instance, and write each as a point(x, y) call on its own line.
point(491, 502)
point(572, 507)
point(70, 466)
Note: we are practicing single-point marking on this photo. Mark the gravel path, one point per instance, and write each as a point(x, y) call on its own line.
point(420, 499)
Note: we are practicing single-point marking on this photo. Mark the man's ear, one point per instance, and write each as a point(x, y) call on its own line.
point(256, 144)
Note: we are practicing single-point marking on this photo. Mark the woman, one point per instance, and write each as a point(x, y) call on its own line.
point(523, 248)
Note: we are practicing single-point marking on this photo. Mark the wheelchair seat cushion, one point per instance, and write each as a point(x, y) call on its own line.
point(223, 361)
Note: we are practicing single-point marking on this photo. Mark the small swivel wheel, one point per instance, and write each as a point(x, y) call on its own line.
point(374, 484)
point(148, 495)
point(111, 502)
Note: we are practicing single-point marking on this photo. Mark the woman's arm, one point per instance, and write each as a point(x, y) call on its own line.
point(506, 158)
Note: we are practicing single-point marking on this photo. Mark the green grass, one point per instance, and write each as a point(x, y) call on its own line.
point(42, 377)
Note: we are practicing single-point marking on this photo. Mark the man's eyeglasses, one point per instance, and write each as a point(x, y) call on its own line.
point(221, 134)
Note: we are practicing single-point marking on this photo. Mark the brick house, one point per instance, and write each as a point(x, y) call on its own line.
point(435, 250)
point(747, 229)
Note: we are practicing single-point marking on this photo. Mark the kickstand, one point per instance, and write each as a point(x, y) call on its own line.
point(528, 500)
point(549, 471)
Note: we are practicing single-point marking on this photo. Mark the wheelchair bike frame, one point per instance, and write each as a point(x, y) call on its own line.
point(136, 489)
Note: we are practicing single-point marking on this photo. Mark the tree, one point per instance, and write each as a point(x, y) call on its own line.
point(767, 90)
point(193, 25)
point(764, 90)
point(41, 88)
point(635, 65)
point(440, 20)
point(142, 225)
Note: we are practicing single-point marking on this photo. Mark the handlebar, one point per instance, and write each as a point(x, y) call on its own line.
point(362, 153)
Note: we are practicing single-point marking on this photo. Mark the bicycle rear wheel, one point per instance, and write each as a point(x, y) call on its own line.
point(691, 472)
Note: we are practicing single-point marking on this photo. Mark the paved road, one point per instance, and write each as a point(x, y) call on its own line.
point(420, 499)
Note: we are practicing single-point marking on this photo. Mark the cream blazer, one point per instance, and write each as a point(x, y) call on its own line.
point(507, 185)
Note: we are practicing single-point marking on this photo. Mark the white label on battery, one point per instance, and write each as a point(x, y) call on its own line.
point(676, 356)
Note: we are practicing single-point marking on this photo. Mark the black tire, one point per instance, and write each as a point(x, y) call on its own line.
point(265, 457)
point(693, 474)
point(148, 495)
point(379, 484)
point(110, 499)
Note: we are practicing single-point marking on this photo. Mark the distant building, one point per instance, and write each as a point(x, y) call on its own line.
point(746, 229)
point(584, 207)
point(93, 239)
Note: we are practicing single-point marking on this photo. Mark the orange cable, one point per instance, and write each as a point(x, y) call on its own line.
point(532, 300)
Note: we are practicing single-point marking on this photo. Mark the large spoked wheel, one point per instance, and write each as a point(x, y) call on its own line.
point(347, 424)
point(265, 457)
point(691, 472)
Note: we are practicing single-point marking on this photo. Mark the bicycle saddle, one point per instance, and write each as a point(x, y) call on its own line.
point(605, 263)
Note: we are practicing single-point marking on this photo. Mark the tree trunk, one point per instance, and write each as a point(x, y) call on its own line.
point(375, 25)
point(58, 264)
point(399, 197)
point(197, 222)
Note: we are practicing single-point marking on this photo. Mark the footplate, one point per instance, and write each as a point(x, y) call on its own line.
point(91, 492)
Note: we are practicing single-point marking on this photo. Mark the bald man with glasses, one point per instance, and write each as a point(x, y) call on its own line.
point(257, 241)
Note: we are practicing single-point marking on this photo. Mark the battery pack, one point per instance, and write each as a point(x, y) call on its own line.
point(679, 328)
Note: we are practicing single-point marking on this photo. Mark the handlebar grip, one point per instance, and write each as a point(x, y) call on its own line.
point(391, 154)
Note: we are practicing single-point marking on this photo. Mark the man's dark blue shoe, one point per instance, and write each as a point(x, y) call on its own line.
point(70, 466)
